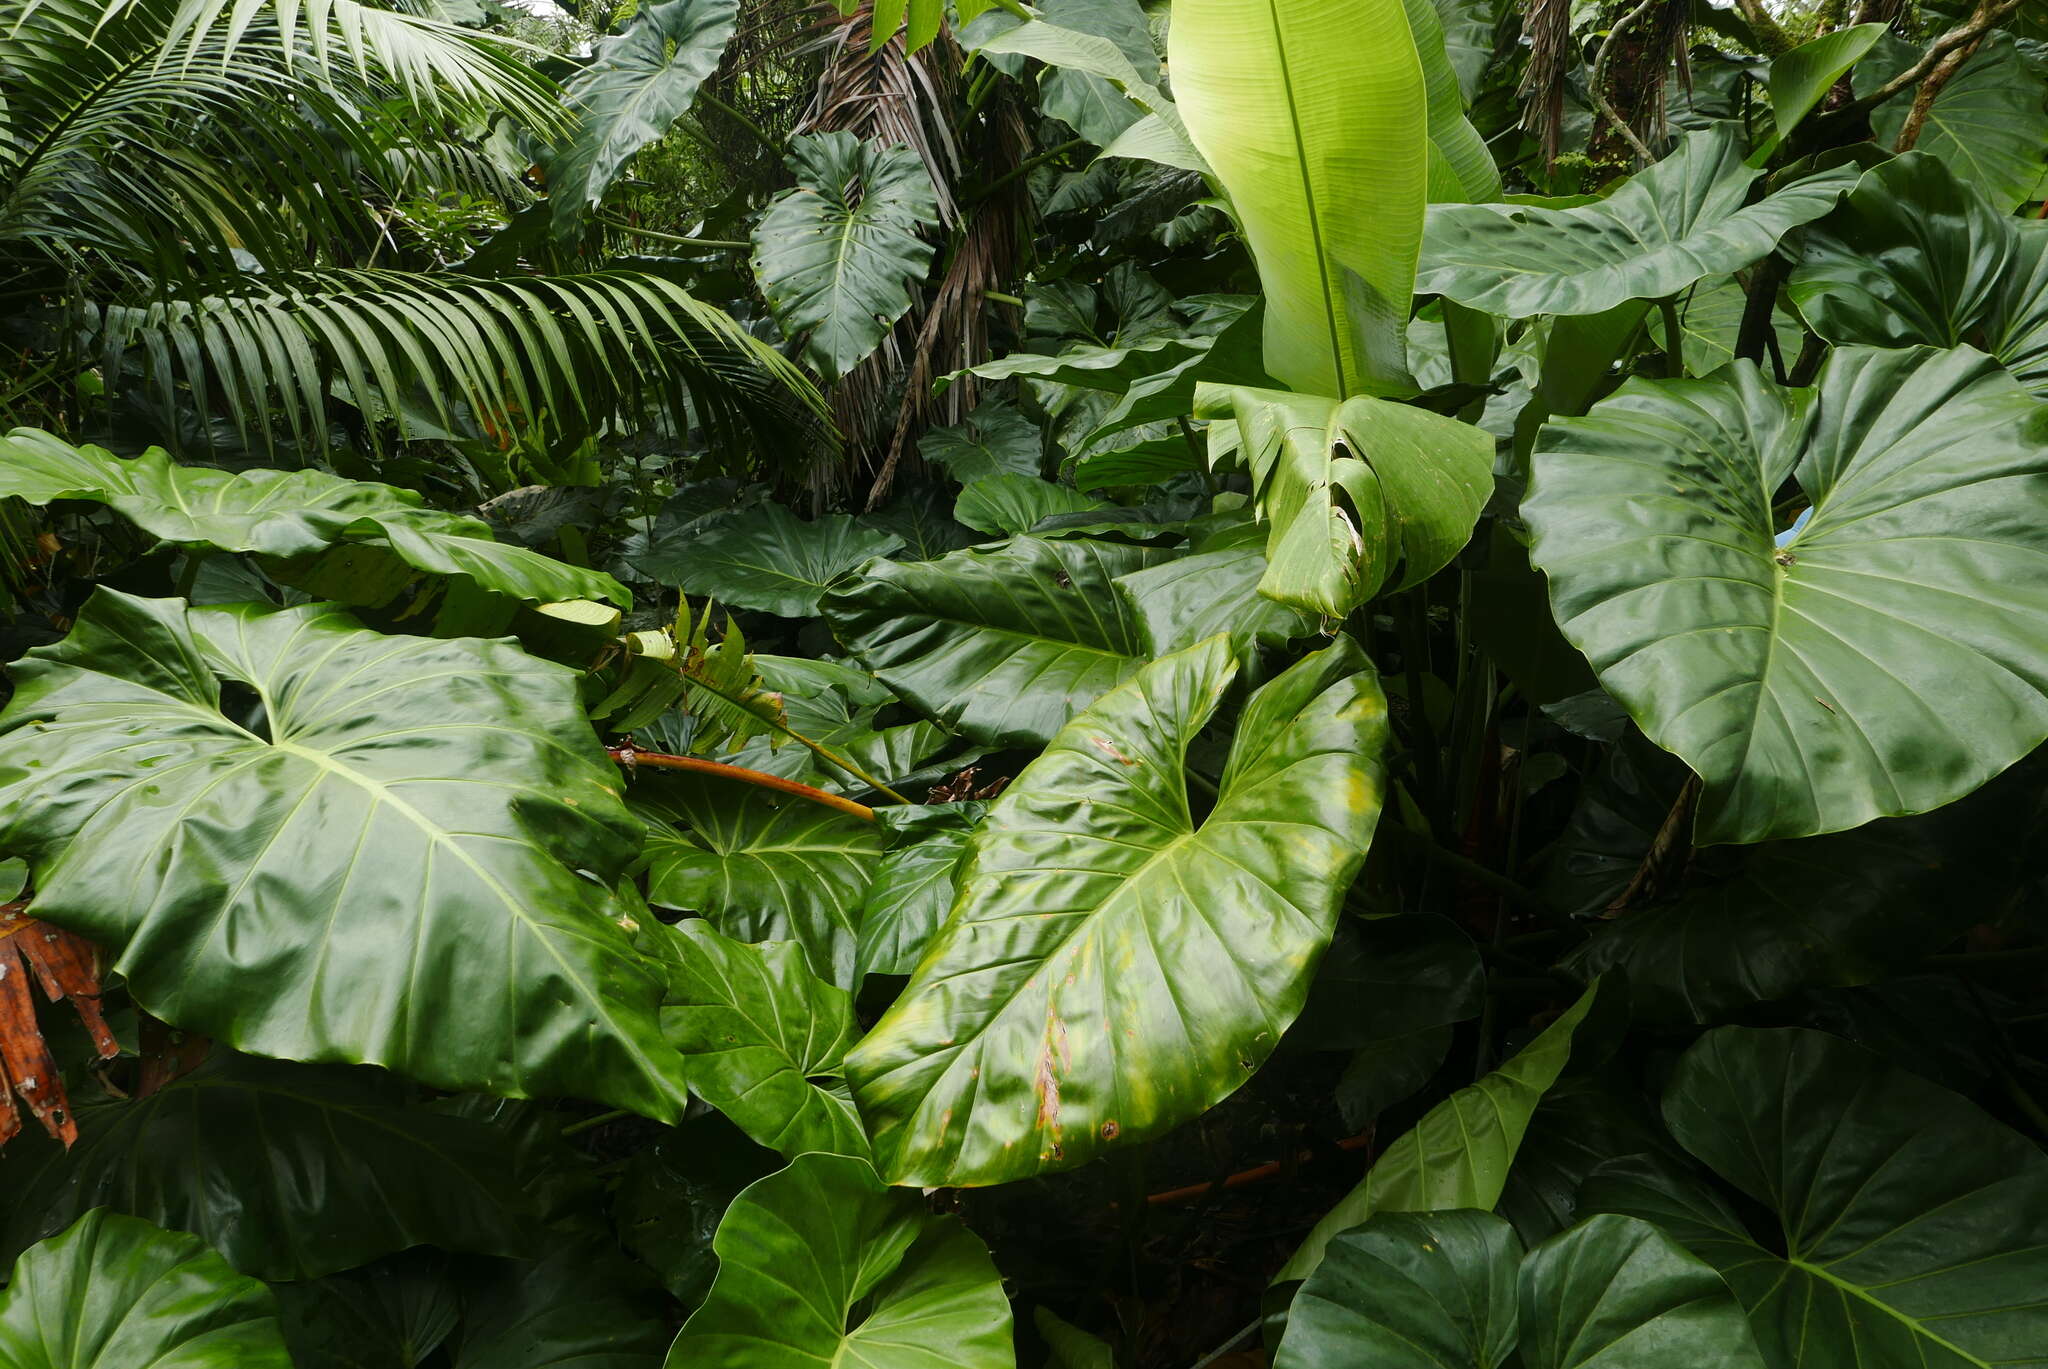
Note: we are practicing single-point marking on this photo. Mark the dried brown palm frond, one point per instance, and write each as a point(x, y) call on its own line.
point(1547, 27)
point(889, 97)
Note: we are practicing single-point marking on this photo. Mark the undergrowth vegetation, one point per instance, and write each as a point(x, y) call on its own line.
point(1214, 683)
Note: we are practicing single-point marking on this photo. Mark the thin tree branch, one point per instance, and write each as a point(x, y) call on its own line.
point(1600, 100)
point(1968, 31)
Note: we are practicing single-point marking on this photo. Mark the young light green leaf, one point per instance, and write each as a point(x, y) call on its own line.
point(1750, 654)
point(1114, 966)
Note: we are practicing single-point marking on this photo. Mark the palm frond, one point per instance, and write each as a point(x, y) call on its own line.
point(529, 358)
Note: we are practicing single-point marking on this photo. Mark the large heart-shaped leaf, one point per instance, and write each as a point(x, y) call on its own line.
point(915, 883)
point(1989, 123)
point(1913, 1229)
point(993, 440)
point(1192, 598)
point(582, 1307)
point(1002, 644)
point(1406, 1290)
point(286, 514)
point(837, 254)
point(384, 870)
point(258, 1157)
point(636, 85)
point(767, 558)
point(1684, 219)
point(759, 866)
point(1885, 657)
point(396, 1312)
point(1115, 965)
point(761, 1032)
point(1459, 1153)
point(820, 1263)
point(1353, 490)
point(115, 1290)
point(1915, 255)
point(1315, 119)
point(1616, 1293)
point(1005, 505)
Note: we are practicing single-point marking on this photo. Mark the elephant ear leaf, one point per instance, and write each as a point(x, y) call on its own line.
point(114, 1290)
point(168, 769)
point(1678, 221)
point(837, 254)
point(1357, 493)
point(1315, 118)
point(1614, 1292)
point(287, 514)
point(767, 558)
point(1916, 256)
point(1409, 1290)
point(1881, 657)
point(1913, 1228)
point(1114, 965)
point(764, 1039)
point(637, 84)
point(821, 1263)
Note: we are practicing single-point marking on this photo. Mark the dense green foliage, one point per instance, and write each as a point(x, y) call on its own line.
point(1108, 685)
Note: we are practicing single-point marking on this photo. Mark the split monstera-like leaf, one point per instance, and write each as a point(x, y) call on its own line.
point(1883, 657)
point(1002, 644)
point(820, 1263)
point(251, 1154)
point(1916, 256)
point(763, 1035)
point(837, 254)
point(1453, 1290)
point(286, 514)
point(1681, 220)
point(1354, 490)
point(114, 1290)
point(1913, 1227)
point(1114, 965)
point(322, 843)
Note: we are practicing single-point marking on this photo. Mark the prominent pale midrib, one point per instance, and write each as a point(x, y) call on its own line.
point(1308, 194)
point(1918, 1328)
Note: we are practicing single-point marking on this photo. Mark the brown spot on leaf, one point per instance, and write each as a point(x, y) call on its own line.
point(1108, 748)
point(1110, 1130)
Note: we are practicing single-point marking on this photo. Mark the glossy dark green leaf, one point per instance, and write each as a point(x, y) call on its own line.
point(583, 1306)
point(1002, 644)
point(1458, 1155)
point(760, 866)
point(1616, 1293)
point(1005, 505)
point(1989, 123)
point(1710, 324)
point(767, 558)
point(1386, 1070)
point(1880, 659)
point(1406, 1290)
point(923, 518)
point(115, 1291)
point(637, 83)
point(914, 885)
point(390, 1315)
point(673, 1194)
point(820, 1263)
point(1358, 494)
point(1916, 256)
point(1680, 220)
point(286, 514)
point(1191, 598)
point(1115, 965)
point(993, 440)
point(261, 1157)
point(385, 871)
point(1913, 1229)
point(1385, 976)
point(1800, 78)
point(838, 254)
point(764, 1040)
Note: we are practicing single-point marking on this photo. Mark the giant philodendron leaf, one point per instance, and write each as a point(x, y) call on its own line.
point(259, 1157)
point(1183, 601)
point(1884, 658)
point(1002, 644)
point(286, 514)
point(1005, 505)
point(1914, 255)
point(1988, 123)
point(1316, 120)
point(759, 866)
point(385, 870)
point(767, 558)
point(638, 83)
point(1459, 1153)
point(915, 883)
point(820, 1263)
point(115, 1291)
point(1684, 219)
point(1453, 1290)
point(1354, 491)
point(584, 1306)
point(761, 1033)
point(1114, 965)
point(838, 255)
point(1913, 1228)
